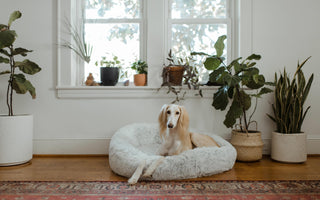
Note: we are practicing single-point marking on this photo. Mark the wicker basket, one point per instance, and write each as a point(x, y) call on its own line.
point(173, 75)
point(248, 145)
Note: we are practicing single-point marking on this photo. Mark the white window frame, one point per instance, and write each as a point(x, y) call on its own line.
point(155, 47)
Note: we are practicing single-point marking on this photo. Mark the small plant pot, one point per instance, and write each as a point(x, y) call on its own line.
point(16, 139)
point(140, 79)
point(289, 148)
point(109, 76)
point(173, 75)
point(248, 145)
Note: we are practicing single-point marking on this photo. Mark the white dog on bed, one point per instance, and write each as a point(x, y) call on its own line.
point(174, 130)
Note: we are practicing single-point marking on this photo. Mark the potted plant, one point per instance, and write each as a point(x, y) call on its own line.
point(16, 131)
point(109, 71)
point(141, 67)
point(288, 141)
point(237, 81)
point(173, 73)
point(78, 45)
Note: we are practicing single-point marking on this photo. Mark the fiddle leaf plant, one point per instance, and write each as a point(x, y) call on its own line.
point(8, 53)
point(235, 81)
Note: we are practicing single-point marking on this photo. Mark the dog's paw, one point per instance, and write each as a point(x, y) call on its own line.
point(132, 180)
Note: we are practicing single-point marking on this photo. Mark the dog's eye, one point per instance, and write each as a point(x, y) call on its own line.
point(168, 112)
point(177, 113)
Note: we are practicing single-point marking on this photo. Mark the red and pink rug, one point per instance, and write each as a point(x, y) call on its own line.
point(161, 190)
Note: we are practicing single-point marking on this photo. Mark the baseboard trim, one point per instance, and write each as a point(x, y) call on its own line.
point(100, 146)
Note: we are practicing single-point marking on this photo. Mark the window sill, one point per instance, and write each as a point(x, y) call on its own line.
point(98, 92)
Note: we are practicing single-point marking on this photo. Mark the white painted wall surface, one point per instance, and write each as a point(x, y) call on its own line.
point(282, 32)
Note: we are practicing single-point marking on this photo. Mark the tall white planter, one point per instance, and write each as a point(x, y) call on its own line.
point(16, 136)
point(290, 148)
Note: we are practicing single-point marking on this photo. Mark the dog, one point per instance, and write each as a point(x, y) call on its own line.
point(174, 131)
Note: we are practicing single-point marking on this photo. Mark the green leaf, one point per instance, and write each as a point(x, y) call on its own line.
point(4, 60)
point(255, 84)
point(7, 38)
point(5, 72)
point(28, 67)
point(4, 52)
point(2, 26)
point(231, 80)
point(212, 63)
point(199, 54)
point(263, 91)
point(219, 45)
point(216, 75)
point(244, 100)
point(21, 85)
point(15, 15)
point(235, 111)
point(21, 51)
point(220, 98)
point(254, 57)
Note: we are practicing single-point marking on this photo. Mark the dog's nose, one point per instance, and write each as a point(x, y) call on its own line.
point(170, 125)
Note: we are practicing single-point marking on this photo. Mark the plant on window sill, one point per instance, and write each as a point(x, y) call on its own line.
point(180, 71)
point(78, 45)
point(141, 67)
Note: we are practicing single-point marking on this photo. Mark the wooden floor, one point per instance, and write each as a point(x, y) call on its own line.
point(96, 168)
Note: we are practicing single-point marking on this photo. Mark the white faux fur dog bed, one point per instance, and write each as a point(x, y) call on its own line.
point(135, 143)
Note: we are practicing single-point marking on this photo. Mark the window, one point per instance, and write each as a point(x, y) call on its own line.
point(195, 25)
point(114, 28)
point(141, 29)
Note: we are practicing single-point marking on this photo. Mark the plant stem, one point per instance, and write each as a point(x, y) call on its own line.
point(10, 88)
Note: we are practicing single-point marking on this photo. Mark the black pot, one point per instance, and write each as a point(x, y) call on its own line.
point(109, 76)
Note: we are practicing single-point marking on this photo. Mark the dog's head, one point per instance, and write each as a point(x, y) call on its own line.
point(173, 116)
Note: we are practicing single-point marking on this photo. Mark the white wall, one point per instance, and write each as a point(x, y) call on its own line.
point(282, 32)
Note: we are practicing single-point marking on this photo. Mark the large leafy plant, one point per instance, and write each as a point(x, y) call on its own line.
point(8, 53)
point(235, 81)
point(290, 96)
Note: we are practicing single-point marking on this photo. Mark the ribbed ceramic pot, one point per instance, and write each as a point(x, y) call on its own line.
point(289, 148)
point(16, 139)
point(248, 145)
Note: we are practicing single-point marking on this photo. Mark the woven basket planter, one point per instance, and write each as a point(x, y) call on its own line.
point(173, 75)
point(248, 145)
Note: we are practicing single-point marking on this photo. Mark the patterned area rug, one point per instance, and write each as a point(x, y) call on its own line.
point(161, 190)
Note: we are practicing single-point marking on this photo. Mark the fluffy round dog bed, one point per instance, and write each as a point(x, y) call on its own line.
point(136, 143)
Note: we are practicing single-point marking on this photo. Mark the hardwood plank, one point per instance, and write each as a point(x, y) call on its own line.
point(96, 168)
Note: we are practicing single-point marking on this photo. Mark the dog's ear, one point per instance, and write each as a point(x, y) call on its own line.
point(163, 120)
point(184, 118)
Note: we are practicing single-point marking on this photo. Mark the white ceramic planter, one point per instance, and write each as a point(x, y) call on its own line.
point(290, 148)
point(16, 139)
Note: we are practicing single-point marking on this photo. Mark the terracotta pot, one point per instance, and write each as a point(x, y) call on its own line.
point(290, 148)
point(140, 79)
point(173, 75)
point(248, 145)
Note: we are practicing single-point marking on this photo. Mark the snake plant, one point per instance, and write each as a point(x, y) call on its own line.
point(290, 96)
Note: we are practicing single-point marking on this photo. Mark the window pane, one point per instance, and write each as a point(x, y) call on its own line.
point(102, 9)
point(198, 9)
point(109, 40)
point(196, 37)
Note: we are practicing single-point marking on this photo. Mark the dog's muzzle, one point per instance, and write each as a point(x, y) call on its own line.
point(170, 125)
